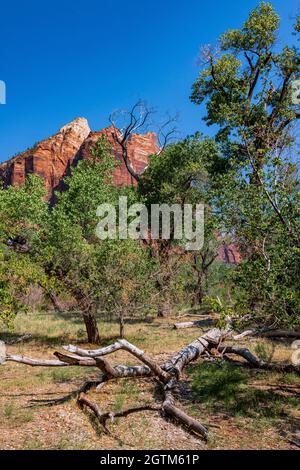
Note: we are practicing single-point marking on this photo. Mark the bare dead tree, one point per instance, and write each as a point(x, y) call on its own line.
point(166, 132)
point(138, 119)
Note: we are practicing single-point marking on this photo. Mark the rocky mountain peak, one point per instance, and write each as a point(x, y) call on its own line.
point(52, 158)
point(78, 126)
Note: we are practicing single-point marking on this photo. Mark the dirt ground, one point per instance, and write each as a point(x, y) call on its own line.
point(243, 408)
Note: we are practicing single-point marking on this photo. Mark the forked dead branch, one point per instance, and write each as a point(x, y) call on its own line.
point(167, 375)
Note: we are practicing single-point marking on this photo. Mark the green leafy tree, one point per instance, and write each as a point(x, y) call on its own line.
point(23, 211)
point(68, 244)
point(248, 87)
point(265, 284)
point(181, 174)
point(127, 285)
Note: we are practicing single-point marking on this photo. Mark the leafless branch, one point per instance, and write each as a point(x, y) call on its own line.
point(125, 123)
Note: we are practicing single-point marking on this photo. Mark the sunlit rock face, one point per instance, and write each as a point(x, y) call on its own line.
point(52, 158)
point(49, 158)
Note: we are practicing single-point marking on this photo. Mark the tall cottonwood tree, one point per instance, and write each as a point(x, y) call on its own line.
point(248, 87)
point(101, 275)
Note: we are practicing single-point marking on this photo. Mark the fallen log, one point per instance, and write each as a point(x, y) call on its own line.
point(192, 351)
point(280, 334)
point(189, 422)
point(196, 323)
point(94, 352)
point(167, 374)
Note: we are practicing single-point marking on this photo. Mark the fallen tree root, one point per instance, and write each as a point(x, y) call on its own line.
point(167, 374)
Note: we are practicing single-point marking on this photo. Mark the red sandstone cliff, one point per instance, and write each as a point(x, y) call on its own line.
point(51, 158)
point(139, 149)
point(48, 159)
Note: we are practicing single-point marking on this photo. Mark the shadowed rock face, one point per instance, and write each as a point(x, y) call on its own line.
point(52, 158)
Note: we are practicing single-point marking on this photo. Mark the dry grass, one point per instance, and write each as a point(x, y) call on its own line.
point(248, 409)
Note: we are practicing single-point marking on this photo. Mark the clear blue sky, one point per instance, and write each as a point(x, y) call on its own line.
point(64, 59)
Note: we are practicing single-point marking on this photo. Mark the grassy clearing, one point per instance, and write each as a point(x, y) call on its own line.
point(245, 408)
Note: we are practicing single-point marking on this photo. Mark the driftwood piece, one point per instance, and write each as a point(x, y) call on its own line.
point(192, 351)
point(245, 333)
point(35, 362)
point(138, 353)
point(94, 352)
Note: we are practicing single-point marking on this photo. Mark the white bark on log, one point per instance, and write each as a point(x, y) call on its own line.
point(193, 350)
point(244, 334)
point(119, 370)
point(35, 362)
point(133, 371)
point(93, 352)
point(156, 369)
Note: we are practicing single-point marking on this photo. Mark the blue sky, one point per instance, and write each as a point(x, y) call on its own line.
point(64, 59)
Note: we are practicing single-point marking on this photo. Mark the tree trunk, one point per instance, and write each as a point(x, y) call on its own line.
point(88, 316)
point(199, 291)
point(91, 328)
point(163, 310)
point(122, 326)
point(57, 307)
